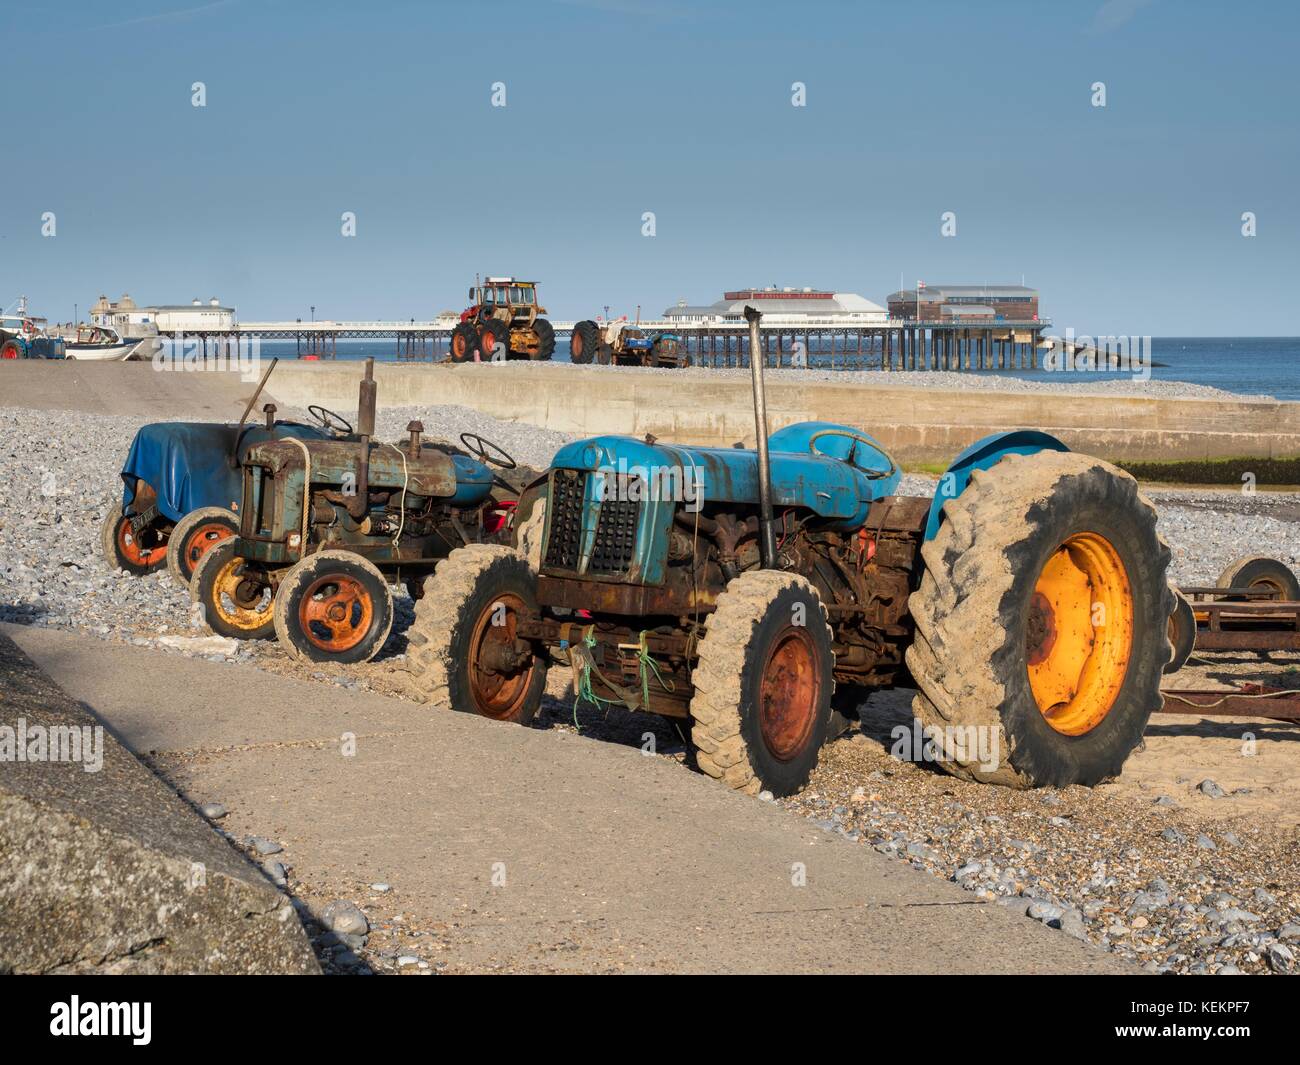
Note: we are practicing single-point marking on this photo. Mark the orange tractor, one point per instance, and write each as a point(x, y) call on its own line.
point(503, 319)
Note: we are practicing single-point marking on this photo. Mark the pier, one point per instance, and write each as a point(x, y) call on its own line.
point(898, 344)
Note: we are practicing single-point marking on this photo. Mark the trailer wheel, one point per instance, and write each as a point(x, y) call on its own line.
point(584, 343)
point(464, 342)
point(1182, 632)
point(193, 535)
point(136, 553)
point(236, 597)
point(333, 606)
point(1260, 574)
point(762, 703)
point(545, 340)
point(463, 650)
point(1042, 623)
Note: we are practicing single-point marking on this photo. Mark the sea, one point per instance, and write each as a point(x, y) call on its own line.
point(1265, 366)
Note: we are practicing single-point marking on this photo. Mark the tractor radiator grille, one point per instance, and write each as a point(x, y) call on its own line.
point(615, 536)
point(564, 519)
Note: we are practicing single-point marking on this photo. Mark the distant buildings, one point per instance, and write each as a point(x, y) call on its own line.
point(133, 321)
point(940, 303)
point(782, 306)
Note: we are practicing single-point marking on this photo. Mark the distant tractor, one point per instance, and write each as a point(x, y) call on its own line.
point(23, 337)
point(759, 596)
point(621, 344)
point(503, 311)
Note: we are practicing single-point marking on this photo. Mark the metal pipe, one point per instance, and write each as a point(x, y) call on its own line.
point(766, 536)
point(360, 504)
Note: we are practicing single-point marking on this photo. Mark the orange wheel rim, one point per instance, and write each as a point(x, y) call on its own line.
point(498, 692)
point(132, 549)
point(789, 692)
point(1079, 633)
point(335, 613)
point(202, 540)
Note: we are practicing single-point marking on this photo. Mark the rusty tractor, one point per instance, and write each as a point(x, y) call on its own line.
point(503, 318)
point(758, 596)
point(621, 344)
point(325, 525)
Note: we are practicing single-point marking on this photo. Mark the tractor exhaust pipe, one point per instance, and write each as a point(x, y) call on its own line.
point(766, 536)
point(360, 503)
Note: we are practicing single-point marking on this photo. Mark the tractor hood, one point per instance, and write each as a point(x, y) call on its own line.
point(835, 471)
point(460, 480)
point(189, 465)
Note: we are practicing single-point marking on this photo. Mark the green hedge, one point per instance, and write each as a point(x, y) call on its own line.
point(1217, 471)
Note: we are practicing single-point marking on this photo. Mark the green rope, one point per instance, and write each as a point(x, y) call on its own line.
point(644, 659)
point(584, 689)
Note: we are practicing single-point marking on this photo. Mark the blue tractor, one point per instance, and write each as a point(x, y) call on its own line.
point(760, 596)
point(181, 484)
point(24, 337)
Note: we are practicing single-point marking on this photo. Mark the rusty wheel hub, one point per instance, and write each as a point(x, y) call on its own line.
point(789, 693)
point(500, 667)
point(335, 612)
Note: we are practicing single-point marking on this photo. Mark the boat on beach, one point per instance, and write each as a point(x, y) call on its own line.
point(100, 343)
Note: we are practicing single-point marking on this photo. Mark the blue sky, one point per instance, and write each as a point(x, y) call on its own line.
point(1127, 218)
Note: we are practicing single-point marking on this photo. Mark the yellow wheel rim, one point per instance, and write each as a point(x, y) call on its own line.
point(1079, 633)
point(238, 601)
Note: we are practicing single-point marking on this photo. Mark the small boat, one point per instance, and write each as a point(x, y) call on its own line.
point(101, 343)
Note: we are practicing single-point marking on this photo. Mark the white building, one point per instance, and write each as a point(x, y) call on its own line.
point(135, 322)
point(783, 306)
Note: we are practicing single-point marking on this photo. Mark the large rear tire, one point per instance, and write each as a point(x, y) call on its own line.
point(545, 340)
point(584, 343)
point(463, 651)
point(333, 606)
point(193, 535)
point(762, 703)
point(1042, 619)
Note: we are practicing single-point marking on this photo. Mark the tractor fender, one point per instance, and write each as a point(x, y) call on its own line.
point(982, 455)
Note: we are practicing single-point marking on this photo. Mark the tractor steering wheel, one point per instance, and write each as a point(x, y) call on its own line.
point(857, 438)
point(335, 423)
point(486, 451)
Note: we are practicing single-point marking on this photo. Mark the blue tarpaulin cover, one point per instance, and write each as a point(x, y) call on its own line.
point(188, 463)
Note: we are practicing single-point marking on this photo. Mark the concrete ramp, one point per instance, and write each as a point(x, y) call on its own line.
point(127, 388)
point(525, 850)
point(106, 870)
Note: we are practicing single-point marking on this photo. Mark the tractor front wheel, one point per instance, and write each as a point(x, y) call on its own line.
point(762, 704)
point(490, 334)
point(193, 535)
point(237, 598)
point(136, 552)
point(464, 342)
point(333, 606)
point(1042, 623)
point(463, 647)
